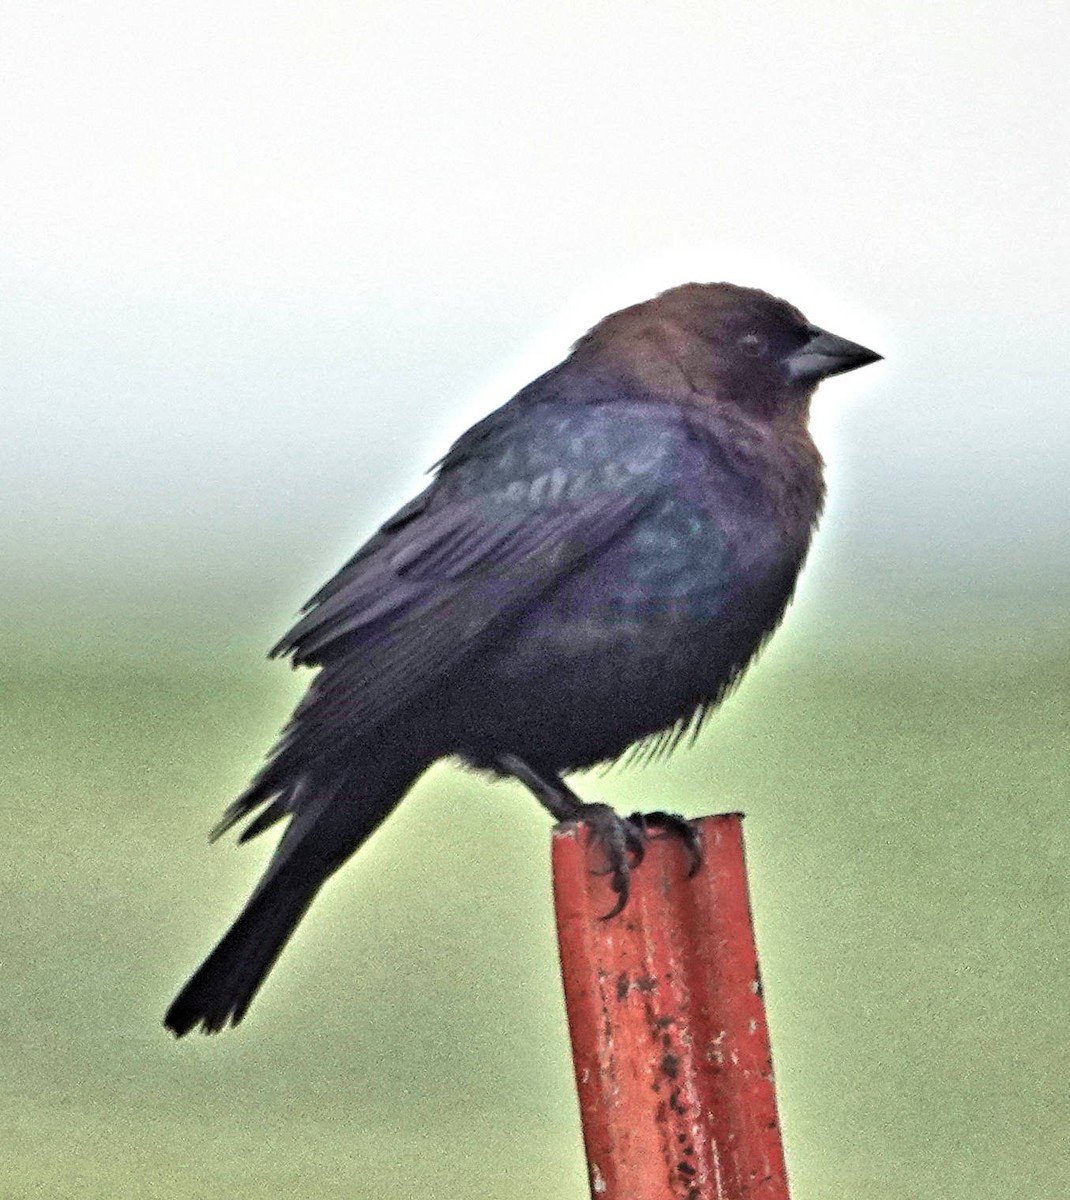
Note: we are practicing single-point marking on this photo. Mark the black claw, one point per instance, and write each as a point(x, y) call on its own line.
point(635, 842)
point(672, 826)
point(621, 885)
point(623, 844)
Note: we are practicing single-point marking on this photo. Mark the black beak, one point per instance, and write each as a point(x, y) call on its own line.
point(826, 354)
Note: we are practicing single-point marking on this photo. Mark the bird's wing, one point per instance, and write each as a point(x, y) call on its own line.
point(415, 603)
point(437, 580)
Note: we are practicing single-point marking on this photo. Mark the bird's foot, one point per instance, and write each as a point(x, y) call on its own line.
point(623, 845)
point(671, 825)
point(622, 840)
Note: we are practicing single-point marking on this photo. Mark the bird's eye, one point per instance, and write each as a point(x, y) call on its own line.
point(753, 345)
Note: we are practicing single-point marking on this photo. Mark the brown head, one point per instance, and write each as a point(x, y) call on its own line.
point(722, 343)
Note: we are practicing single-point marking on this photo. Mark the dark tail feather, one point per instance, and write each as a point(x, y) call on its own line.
point(226, 982)
point(328, 821)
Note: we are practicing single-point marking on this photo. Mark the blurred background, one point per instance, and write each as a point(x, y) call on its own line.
point(261, 264)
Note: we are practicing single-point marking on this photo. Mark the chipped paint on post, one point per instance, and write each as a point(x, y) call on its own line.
point(668, 1026)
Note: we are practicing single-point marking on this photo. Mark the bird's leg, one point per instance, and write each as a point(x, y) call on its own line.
point(621, 840)
point(551, 791)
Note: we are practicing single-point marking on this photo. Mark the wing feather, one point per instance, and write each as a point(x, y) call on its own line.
point(412, 611)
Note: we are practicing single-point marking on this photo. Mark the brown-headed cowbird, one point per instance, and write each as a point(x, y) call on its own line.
point(593, 566)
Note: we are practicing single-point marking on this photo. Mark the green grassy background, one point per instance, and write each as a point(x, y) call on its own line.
point(907, 839)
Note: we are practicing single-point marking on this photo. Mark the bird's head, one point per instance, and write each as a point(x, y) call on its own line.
point(721, 342)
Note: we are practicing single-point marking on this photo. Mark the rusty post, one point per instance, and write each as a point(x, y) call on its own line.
point(669, 1036)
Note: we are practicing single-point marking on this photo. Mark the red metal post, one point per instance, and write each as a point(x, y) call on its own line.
point(669, 1037)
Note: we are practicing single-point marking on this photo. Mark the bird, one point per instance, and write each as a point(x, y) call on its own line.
point(589, 572)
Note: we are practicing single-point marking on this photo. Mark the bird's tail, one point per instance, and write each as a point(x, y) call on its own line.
point(326, 828)
point(223, 986)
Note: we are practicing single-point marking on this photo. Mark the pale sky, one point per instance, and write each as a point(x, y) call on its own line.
point(262, 262)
